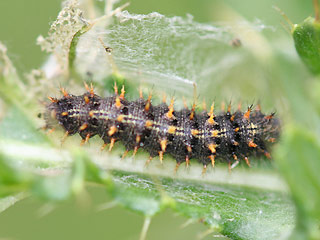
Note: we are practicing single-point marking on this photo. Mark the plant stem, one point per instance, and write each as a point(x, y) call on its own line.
point(316, 10)
point(145, 228)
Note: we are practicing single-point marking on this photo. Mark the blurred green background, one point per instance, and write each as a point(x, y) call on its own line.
point(21, 21)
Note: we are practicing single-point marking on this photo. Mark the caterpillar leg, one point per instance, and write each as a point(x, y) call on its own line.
point(64, 137)
point(187, 161)
point(176, 168)
point(247, 161)
point(103, 146)
point(85, 140)
point(124, 154)
point(148, 161)
point(113, 140)
point(234, 164)
point(50, 131)
point(204, 170)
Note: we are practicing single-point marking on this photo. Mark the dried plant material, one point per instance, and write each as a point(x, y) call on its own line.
point(62, 30)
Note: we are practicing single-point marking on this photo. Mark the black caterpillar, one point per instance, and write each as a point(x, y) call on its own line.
point(161, 130)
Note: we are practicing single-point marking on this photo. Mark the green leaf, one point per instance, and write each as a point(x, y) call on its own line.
point(236, 212)
point(11, 85)
point(16, 126)
point(54, 188)
point(9, 201)
point(306, 36)
point(11, 180)
point(298, 159)
point(84, 169)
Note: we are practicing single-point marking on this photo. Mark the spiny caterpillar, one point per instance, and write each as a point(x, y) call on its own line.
point(160, 130)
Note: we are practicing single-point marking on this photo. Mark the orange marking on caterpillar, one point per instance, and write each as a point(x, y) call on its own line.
point(212, 158)
point(53, 100)
point(214, 133)
point(229, 108)
point(112, 130)
point(115, 88)
point(172, 129)
point(211, 114)
point(193, 109)
point(247, 114)
point(120, 118)
point(138, 138)
point(118, 102)
point(171, 110)
point(86, 100)
point(149, 123)
point(89, 89)
point(252, 144)
point(64, 92)
point(83, 127)
point(194, 132)
point(163, 144)
point(212, 147)
point(148, 104)
point(91, 114)
point(269, 116)
point(189, 149)
point(122, 92)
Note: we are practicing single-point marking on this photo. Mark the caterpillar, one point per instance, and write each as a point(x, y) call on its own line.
point(185, 134)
